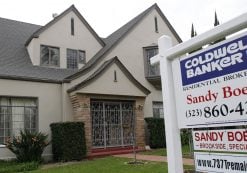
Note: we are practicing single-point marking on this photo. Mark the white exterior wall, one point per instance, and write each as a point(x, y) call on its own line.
point(122, 87)
point(130, 52)
point(59, 35)
point(49, 104)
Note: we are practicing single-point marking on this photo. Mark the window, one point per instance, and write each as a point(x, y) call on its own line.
point(152, 70)
point(49, 56)
point(156, 24)
point(72, 25)
point(158, 110)
point(17, 114)
point(82, 57)
point(74, 57)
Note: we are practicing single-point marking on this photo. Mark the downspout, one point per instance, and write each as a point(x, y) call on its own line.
point(63, 109)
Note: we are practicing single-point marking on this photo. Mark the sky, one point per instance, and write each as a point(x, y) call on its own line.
point(106, 16)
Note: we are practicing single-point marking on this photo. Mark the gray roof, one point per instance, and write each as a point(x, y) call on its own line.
point(101, 71)
point(15, 62)
point(113, 39)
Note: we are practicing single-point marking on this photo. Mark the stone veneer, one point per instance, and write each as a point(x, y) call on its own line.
point(81, 109)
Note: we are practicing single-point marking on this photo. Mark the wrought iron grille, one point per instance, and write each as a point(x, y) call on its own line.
point(112, 123)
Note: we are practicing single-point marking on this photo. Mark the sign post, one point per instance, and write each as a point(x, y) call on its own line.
point(174, 153)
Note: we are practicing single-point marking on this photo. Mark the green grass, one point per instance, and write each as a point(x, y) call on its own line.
point(101, 165)
point(108, 165)
point(13, 166)
point(162, 152)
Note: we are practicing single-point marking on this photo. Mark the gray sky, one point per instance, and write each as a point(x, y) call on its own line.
point(105, 16)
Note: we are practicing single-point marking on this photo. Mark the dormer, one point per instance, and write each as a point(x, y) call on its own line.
point(67, 41)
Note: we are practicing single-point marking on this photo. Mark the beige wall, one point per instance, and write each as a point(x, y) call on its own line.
point(105, 84)
point(59, 35)
point(49, 103)
point(130, 52)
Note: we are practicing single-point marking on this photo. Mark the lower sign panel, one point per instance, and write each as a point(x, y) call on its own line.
point(219, 162)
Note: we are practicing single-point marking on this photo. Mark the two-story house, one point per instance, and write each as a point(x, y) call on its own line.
point(64, 71)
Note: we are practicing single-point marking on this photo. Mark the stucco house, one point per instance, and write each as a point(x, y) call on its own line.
point(64, 71)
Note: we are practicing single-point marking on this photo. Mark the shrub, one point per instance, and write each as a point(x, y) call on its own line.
point(185, 137)
point(29, 146)
point(68, 141)
point(156, 131)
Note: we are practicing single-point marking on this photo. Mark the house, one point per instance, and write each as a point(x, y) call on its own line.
point(64, 71)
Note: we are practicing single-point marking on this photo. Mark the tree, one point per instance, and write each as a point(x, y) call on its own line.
point(216, 21)
point(193, 31)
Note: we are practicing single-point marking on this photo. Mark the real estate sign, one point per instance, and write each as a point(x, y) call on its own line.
point(219, 162)
point(211, 85)
point(230, 140)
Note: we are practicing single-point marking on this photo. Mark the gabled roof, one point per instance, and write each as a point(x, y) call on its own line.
point(15, 62)
point(56, 19)
point(113, 39)
point(100, 71)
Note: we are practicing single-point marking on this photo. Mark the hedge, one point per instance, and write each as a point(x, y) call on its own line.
point(156, 135)
point(68, 141)
point(156, 131)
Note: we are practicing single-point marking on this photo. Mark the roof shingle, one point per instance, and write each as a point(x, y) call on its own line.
point(15, 62)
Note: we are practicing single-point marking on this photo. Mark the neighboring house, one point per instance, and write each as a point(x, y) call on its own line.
point(64, 71)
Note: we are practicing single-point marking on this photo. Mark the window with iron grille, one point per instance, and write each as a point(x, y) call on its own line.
point(158, 110)
point(49, 56)
point(152, 70)
point(74, 57)
point(17, 114)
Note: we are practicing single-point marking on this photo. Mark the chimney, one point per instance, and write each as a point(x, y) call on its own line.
point(54, 15)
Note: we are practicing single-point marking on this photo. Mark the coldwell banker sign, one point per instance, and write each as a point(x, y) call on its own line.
point(211, 85)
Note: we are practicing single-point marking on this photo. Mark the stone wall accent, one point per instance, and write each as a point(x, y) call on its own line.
point(140, 131)
point(81, 109)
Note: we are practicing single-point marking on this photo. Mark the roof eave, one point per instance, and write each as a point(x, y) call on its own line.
point(71, 8)
point(109, 63)
point(31, 79)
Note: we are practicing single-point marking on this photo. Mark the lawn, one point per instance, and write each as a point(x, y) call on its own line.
point(162, 152)
point(107, 165)
point(12, 166)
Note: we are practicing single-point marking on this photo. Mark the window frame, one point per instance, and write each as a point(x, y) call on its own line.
point(12, 99)
point(49, 58)
point(84, 60)
point(155, 103)
point(78, 61)
point(147, 63)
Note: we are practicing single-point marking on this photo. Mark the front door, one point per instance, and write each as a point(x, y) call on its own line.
point(112, 123)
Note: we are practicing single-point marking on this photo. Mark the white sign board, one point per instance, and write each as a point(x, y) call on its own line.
point(211, 85)
point(218, 162)
point(231, 140)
